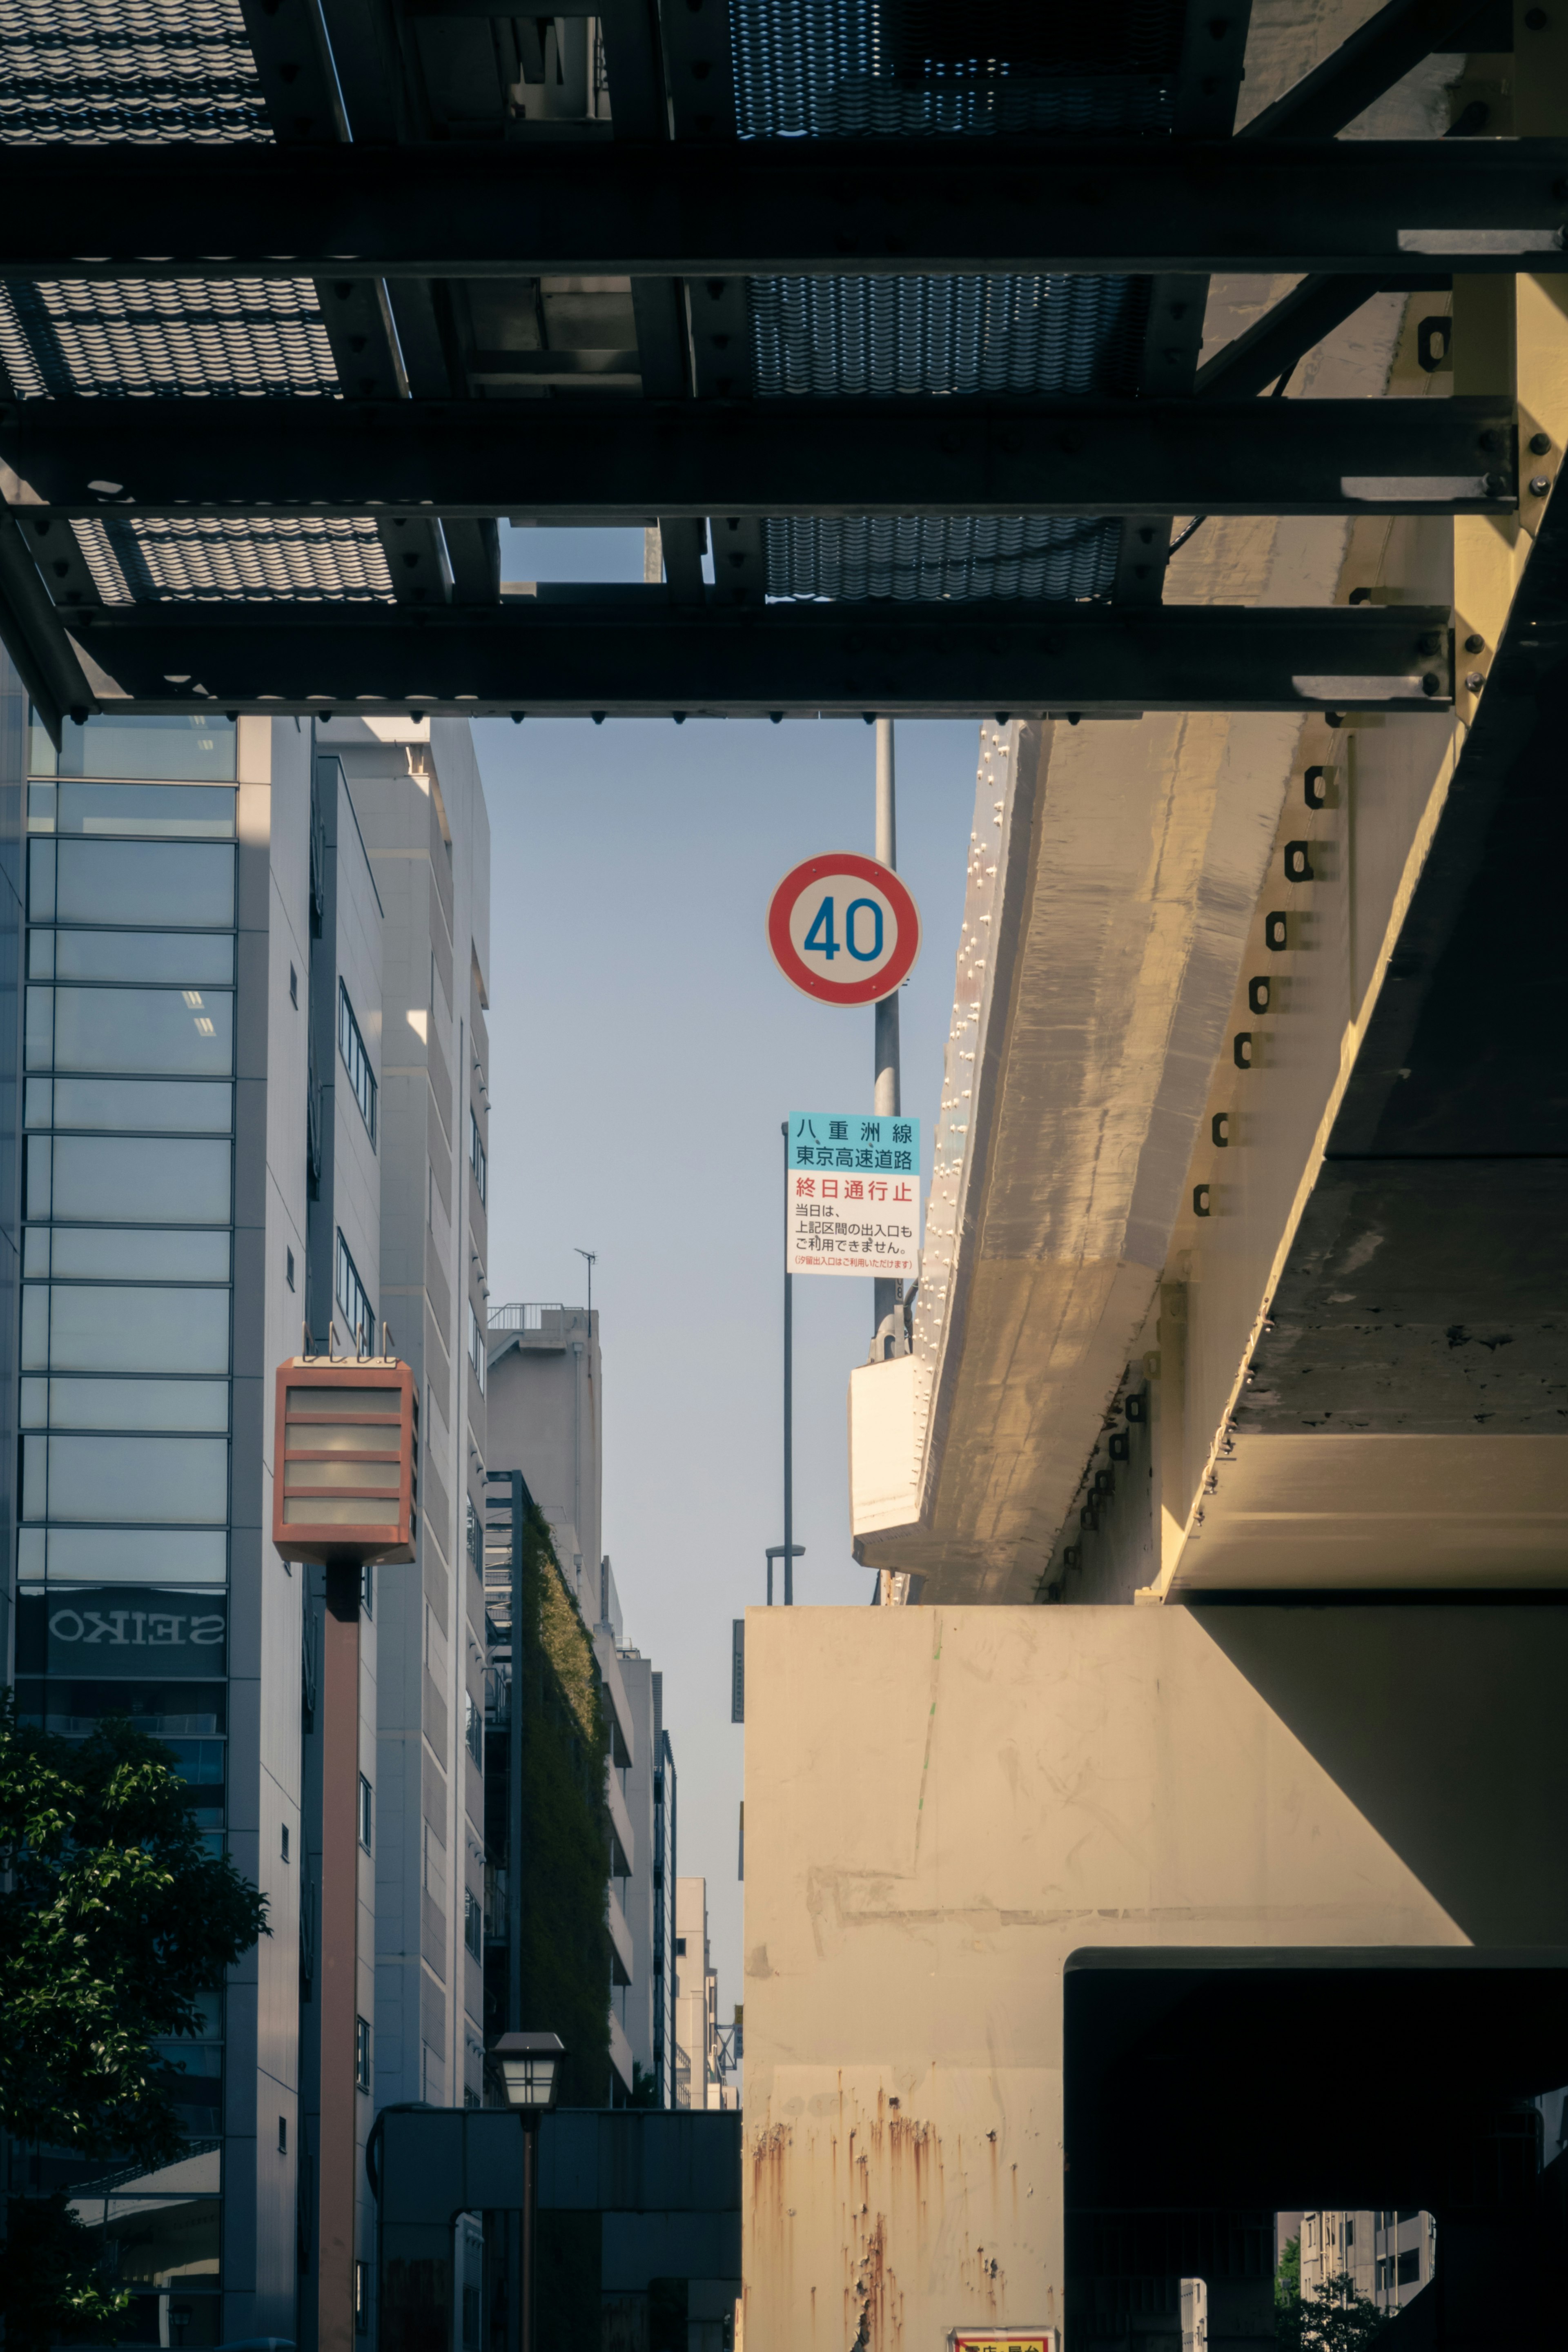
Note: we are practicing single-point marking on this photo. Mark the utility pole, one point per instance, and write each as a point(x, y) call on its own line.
point(789, 1545)
point(887, 1336)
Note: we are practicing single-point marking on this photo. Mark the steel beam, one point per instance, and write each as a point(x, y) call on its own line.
point(810, 206)
point(1290, 328)
point(1375, 56)
point(554, 463)
point(629, 652)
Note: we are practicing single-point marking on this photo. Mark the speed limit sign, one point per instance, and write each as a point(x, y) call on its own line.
point(844, 928)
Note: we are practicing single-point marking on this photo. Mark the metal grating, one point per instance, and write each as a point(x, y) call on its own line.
point(171, 338)
point(928, 557)
point(85, 71)
point(208, 558)
point(903, 69)
point(882, 336)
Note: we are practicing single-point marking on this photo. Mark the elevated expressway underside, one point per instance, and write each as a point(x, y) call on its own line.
point(1245, 1264)
point(907, 329)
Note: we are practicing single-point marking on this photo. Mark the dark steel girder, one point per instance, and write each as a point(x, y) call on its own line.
point(1374, 56)
point(1290, 328)
point(810, 207)
point(630, 652)
point(554, 462)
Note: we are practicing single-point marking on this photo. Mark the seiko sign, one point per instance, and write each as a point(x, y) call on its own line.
point(123, 1629)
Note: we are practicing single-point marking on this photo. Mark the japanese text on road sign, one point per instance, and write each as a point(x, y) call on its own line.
point(854, 1197)
point(873, 1145)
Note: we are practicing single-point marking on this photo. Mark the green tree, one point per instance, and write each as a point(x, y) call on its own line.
point(113, 1917)
point(50, 2289)
point(1337, 2319)
point(1334, 2319)
point(1288, 2296)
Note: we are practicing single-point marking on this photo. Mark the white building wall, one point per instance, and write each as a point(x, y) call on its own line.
point(1390, 2255)
point(636, 2000)
point(546, 1419)
point(417, 791)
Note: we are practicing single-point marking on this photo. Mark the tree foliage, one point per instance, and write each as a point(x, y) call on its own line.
point(113, 1917)
point(50, 2288)
point(566, 1732)
point(1335, 2318)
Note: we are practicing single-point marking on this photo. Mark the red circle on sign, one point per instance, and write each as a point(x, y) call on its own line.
point(848, 907)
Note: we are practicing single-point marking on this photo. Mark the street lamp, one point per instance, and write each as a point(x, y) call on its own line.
point(530, 2075)
point(530, 2070)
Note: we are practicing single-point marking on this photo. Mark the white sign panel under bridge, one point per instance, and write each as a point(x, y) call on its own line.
point(854, 1196)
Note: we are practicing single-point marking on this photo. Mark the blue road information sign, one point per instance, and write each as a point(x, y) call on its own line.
point(858, 1142)
point(854, 1198)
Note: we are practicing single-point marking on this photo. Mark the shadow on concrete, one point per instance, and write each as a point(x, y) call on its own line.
point(1443, 1726)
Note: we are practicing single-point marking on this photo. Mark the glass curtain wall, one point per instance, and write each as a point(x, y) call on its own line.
point(128, 1188)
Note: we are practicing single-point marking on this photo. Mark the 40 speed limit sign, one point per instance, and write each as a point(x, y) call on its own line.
point(844, 928)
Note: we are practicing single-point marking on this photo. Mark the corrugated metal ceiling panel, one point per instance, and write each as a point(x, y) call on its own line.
point(135, 69)
point(169, 338)
point(907, 68)
point(882, 336)
point(837, 68)
point(207, 559)
point(88, 71)
point(928, 557)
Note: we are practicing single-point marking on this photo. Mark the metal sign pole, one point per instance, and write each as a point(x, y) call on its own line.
point(888, 1297)
point(788, 1401)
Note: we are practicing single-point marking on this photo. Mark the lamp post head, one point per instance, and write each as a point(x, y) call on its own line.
point(531, 2069)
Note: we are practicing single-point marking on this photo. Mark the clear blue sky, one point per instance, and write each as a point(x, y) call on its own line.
point(643, 1049)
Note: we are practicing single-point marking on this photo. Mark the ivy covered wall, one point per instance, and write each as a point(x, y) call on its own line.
point(557, 1707)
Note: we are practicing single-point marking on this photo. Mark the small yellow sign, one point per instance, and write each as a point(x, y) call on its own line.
point(1003, 2339)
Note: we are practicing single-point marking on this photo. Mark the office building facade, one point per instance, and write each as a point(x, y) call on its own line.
point(648, 1904)
point(705, 2053)
point(251, 1123)
point(1387, 2254)
point(546, 1425)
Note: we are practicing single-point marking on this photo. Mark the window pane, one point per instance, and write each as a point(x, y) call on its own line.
point(136, 1556)
point(41, 881)
point(189, 1030)
point(145, 1478)
point(118, 1629)
point(189, 1107)
point(354, 1300)
point(176, 749)
point(142, 1183)
point(109, 1253)
point(35, 1328)
point(187, 958)
point(178, 1712)
point(130, 1329)
point(182, 812)
point(38, 1029)
point(127, 1404)
point(153, 882)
